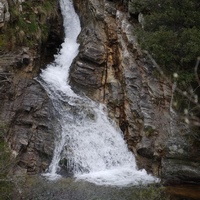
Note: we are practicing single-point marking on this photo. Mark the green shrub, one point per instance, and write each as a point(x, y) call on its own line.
point(28, 27)
point(171, 33)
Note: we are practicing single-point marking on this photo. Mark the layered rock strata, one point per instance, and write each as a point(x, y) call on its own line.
point(112, 69)
point(25, 108)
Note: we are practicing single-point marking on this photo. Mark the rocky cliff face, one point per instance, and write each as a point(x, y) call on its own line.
point(111, 69)
point(25, 108)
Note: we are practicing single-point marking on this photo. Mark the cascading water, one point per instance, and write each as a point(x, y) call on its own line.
point(93, 149)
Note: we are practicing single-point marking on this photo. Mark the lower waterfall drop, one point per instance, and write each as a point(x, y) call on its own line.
point(89, 144)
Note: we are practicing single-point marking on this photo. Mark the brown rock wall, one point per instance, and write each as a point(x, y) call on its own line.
point(25, 108)
point(112, 69)
point(123, 79)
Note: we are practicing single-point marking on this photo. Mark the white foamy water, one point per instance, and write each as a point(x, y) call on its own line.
point(88, 143)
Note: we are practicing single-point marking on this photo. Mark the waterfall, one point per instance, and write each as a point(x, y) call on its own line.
point(91, 146)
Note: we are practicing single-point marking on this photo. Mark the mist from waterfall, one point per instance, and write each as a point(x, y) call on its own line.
point(91, 147)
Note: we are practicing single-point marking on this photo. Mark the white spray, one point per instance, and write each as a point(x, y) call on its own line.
point(91, 145)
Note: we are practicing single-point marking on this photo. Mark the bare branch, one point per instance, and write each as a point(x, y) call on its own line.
point(170, 82)
point(5, 77)
point(6, 180)
point(3, 81)
point(6, 73)
point(196, 71)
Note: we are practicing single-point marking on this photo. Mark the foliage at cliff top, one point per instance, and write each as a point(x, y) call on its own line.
point(28, 25)
point(171, 33)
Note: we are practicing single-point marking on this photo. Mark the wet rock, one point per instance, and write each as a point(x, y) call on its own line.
point(94, 53)
point(179, 171)
point(181, 161)
point(31, 130)
point(145, 152)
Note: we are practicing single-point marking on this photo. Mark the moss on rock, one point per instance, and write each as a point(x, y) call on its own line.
point(29, 24)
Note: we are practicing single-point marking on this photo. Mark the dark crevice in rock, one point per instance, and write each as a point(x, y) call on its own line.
point(52, 45)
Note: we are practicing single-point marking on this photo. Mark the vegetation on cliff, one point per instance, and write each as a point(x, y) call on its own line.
point(170, 33)
point(28, 25)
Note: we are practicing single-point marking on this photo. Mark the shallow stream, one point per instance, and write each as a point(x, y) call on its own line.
point(39, 188)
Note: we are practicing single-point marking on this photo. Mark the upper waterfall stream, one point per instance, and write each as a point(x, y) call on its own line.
point(89, 144)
